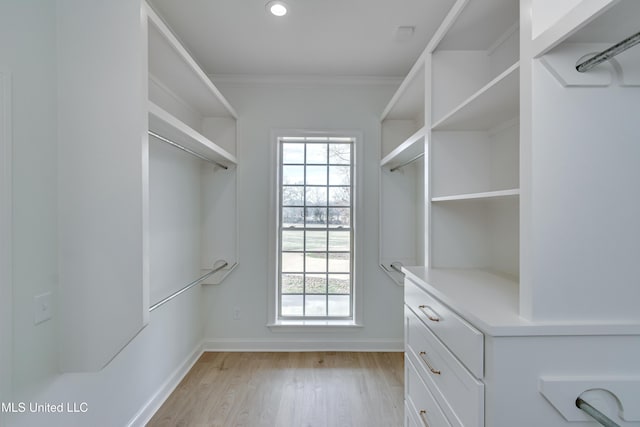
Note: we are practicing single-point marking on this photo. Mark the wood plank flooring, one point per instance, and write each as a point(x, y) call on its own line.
point(307, 389)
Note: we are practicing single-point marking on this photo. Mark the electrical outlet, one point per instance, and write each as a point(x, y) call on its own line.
point(42, 307)
point(236, 313)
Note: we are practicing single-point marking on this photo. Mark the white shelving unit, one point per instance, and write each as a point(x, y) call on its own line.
point(474, 164)
point(401, 175)
point(190, 100)
point(525, 240)
point(186, 108)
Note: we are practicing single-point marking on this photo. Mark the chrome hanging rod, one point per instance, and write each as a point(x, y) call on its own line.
point(395, 168)
point(595, 414)
point(605, 55)
point(180, 147)
point(397, 267)
point(186, 288)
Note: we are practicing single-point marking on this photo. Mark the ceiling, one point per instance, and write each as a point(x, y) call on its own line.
point(352, 38)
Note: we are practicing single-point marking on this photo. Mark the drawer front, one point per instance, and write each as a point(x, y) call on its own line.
point(421, 409)
point(465, 341)
point(460, 395)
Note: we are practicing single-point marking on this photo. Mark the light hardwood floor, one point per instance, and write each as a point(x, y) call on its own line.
point(308, 389)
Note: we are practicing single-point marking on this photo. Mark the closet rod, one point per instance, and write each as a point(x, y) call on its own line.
point(189, 286)
point(605, 55)
point(395, 265)
point(395, 168)
point(180, 147)
point(597, 415)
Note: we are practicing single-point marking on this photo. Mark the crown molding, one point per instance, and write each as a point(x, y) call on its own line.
point(304, 80)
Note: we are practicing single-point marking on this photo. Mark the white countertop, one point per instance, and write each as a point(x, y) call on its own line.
point(491, 303)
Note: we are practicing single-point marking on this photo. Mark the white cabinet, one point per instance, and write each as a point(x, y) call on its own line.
point(531, 202)
point(532, 372)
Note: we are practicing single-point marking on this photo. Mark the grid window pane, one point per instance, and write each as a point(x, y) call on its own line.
point(339, 305)
point(339, 240)
point(315, 305)
point(339, 284)
point(292, 196)
point(317, 154)
point(340, 154)
point(292, 284)
point(292, 262)
point(339, 217)
point(315, 227)
point(339, 196)
point(316, 196)
point(316, 175)
point(316, 241)
point(316, 217)
point(339, 262)
point(293, 217)
point(315, 262)
point(315, 284)
point(292, 305)
point(293, 175)
point(292, 240)
point(293, 153)
point(339, 175)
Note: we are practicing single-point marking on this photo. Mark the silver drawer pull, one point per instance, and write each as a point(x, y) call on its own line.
point(431, 315)
point(423, 417)
point(423, 356)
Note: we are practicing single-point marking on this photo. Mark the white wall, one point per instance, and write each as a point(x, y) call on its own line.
point(28, 51)
point(261, 108)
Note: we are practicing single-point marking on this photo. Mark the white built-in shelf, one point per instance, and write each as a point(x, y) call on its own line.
point(168, 126)
point(411, 148)
point(408, 101)
point(496, 103)
point(488, 195)
point(603, 21)
point(172, 65)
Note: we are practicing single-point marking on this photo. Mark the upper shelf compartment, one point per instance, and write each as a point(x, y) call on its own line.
point(167, 126)
point(411, 149)
point(494, 104)
point(180, 88)
point(480, 45)
point(403, 118)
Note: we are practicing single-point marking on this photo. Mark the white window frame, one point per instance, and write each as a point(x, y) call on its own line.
point(324, 325)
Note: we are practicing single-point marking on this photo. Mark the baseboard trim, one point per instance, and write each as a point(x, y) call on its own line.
point(145, 414)
point(230, 344)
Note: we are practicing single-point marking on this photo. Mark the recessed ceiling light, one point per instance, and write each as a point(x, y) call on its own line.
point(277, 7)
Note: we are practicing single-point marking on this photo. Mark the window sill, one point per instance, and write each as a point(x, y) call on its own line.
point(314, 326)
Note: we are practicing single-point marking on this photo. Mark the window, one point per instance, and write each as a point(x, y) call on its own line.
point(315, 228)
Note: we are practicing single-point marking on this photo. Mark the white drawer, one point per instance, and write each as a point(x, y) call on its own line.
point(465, 341)
point(421, 409)
point(460, 395)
